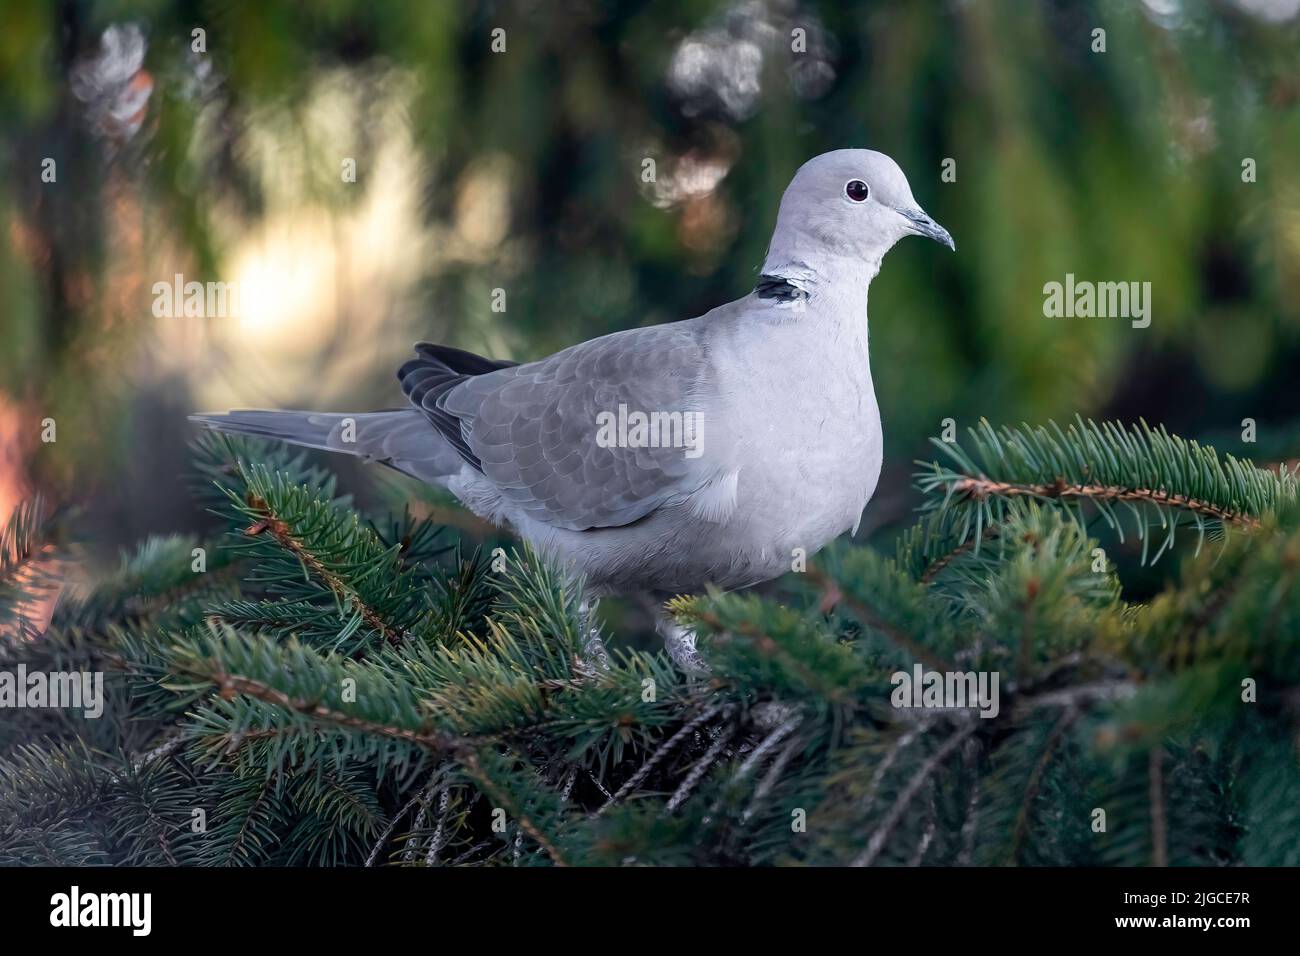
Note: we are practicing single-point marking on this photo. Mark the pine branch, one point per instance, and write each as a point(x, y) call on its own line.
point(981, 489)
point(279, 529)
point(28, 545)
point(1063, 724)
point(1145, 470)
point(318, 736)
point(437, 841)
point(231, 684)
point(473, 766)
point(769, 779)
point(882, 833)
point(1159, 836)
point(913, 648)
point(684, 732)
point(701, 767)
point(796, 655)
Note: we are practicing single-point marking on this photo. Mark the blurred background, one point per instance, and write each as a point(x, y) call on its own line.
point(213, 140)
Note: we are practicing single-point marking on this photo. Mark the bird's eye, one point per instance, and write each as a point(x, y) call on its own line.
point(857, 190)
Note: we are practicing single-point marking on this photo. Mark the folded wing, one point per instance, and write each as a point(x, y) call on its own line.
point(533, 429)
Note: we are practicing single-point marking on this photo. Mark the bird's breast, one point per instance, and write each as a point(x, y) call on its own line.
point(806, 438)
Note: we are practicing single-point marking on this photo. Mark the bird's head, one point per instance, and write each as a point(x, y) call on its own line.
point(848, 204)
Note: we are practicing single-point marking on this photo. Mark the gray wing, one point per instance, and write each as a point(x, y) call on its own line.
point(532, 429)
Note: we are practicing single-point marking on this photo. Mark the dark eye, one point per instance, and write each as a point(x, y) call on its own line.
point(857, 190)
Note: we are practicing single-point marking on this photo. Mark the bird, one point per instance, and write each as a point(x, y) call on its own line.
point(667, 459)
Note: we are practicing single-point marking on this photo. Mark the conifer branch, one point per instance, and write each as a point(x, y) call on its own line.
point(28, 553)
point(1063, 724)
point(283, 535)
point(764, 643)
point(927, 834)
point(1156, 791)
point(664, 749)
point(264, 792)
point(232, 684)
point(424, 798)
point(886, 827)
point(245, 720)
point(1145, 470)
point(469, 760)
point(868, 616)
point(438, 841)
point(388, 830)
point(700, 768)
point(981, 489)
point(773, 774)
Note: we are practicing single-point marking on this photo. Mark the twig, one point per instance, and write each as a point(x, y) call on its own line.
point(770, 741)
point(878, 839)
point(392, 825)
point(468, 853)
point(1071, 696)
point(927, 835)
point(770, 778)
point(1036, 781)
point(567, 790)
point(882, 768)
point(970, 825)
point(599, 786)
point(644, 771)
point(475, 769)
point(438, 841)
point(1156, 785)
point(936, 566)
point(981, 488)
point(426, 795)
point(164, 749)
point(698, 771)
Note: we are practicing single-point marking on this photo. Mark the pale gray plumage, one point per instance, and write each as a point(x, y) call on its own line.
point(791, 429)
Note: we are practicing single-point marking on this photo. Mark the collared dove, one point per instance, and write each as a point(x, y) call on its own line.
point(662, 459)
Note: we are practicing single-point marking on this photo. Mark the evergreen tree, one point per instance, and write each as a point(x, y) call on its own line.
point(318, 687)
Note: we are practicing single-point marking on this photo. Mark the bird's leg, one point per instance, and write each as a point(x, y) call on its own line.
point(593, 648)
point(679, 642)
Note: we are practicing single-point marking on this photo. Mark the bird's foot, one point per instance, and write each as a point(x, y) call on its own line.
point(594, 655)
point(679, 642)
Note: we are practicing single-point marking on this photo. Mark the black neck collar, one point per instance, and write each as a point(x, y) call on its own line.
point(779, 288)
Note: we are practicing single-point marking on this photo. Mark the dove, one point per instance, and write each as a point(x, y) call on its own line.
point(662, 460)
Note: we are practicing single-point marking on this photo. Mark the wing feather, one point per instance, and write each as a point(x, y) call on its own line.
point(532, 429)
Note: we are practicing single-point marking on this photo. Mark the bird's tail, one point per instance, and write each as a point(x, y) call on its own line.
point(400, 438)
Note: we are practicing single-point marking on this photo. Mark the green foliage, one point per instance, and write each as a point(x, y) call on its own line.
point(1159, 479)
point(27, 551)
point(338, 690)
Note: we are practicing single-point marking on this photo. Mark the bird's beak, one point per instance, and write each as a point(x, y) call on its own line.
point(923, 225)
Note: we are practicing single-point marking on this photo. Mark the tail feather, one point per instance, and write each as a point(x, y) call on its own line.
point(399, 438)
